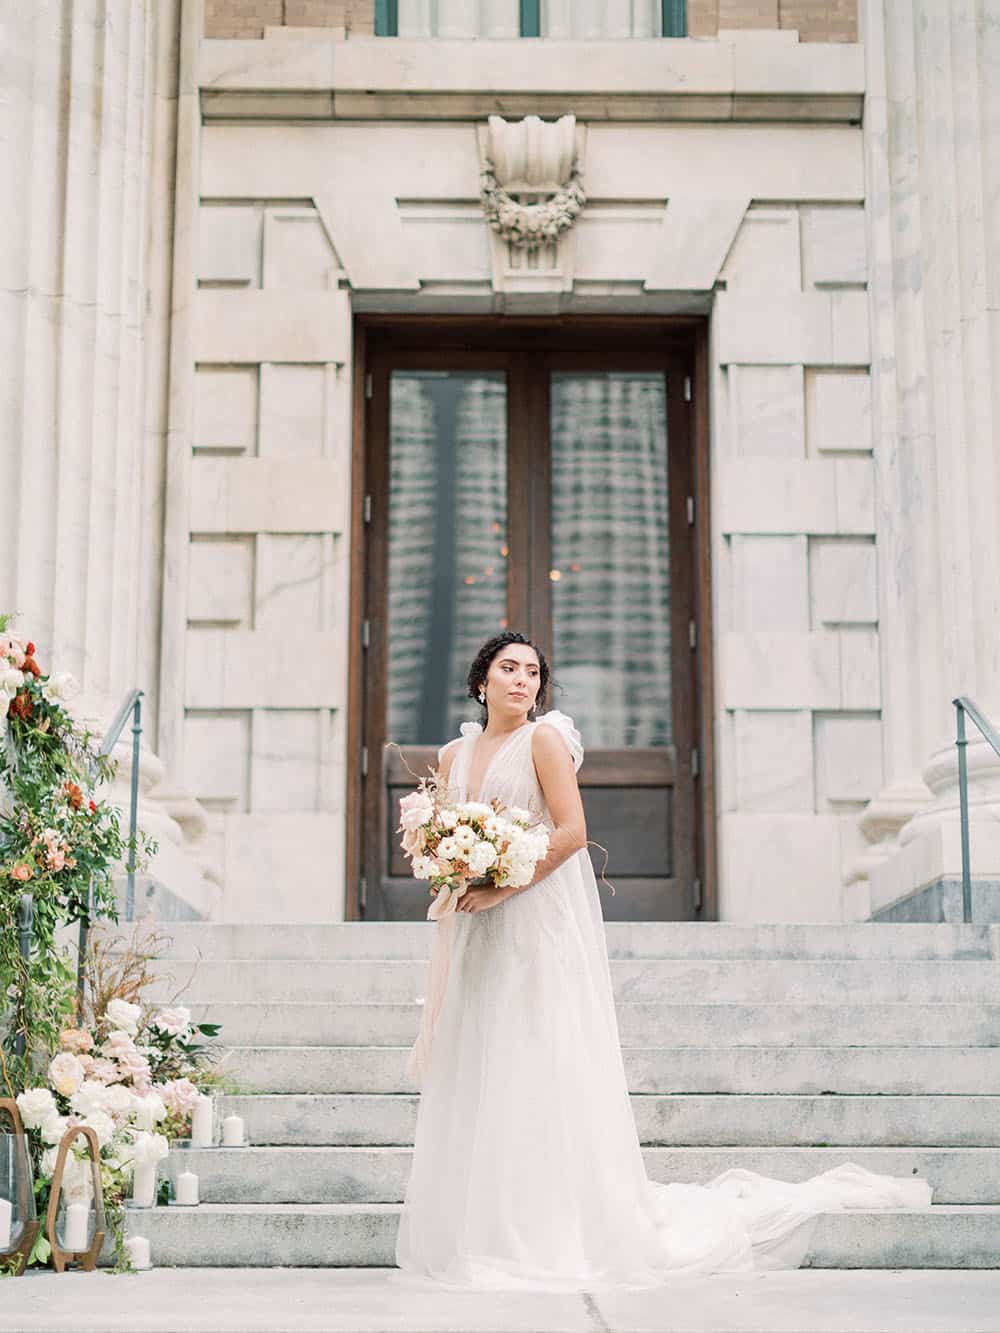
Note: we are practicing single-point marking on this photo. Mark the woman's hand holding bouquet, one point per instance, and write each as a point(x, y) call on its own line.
point(455, 845)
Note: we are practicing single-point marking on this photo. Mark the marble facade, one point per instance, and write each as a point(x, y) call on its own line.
point(774, 187)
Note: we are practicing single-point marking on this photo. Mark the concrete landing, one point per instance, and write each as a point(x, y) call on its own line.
point(377, 1300)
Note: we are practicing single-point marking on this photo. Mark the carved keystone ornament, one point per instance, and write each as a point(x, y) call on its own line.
point(535, 158)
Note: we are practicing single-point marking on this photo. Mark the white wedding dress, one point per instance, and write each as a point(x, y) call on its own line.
point(527, 1171)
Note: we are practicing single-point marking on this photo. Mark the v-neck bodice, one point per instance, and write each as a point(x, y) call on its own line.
point(510, 774)
point(474, 733)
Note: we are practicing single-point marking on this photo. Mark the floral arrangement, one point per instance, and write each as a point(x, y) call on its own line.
point(452, 844)
point(133, 1076)
point(58, 842)
point(530, 226)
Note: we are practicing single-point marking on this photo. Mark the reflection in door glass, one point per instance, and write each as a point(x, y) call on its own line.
point(610, 570)
point(447, 544)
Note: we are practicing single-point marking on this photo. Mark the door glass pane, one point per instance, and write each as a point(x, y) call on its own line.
point(447, 543)
point(610, 573)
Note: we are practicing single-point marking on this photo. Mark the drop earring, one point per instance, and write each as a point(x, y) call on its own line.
point(482, 697)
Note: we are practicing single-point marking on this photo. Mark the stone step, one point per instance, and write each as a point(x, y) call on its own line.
point(626, 939)
point(895, 1023)
point(759, 1069)
point(679, 980)
point(363, 1235)
point(361, 1119)
point(379, 1175)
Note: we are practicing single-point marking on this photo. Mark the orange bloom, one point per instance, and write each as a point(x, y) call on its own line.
point(22, 872)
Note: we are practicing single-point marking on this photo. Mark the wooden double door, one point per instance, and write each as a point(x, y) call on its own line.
point(546, 477)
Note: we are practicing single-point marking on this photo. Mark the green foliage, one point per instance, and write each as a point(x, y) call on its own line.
point(58, 843)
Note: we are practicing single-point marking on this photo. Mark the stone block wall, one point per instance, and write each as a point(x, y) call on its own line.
point(796, 562)
point(249, 18)
point(266, 599)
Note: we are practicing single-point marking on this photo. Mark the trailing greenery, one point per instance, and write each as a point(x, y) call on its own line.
point(57, 842)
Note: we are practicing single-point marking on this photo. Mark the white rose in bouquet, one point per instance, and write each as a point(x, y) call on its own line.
point(36, 1105)
point(65, 1073)
point(482, 856)
point(53, 1127)
point(77, 1182)
point(121, 1014)
point(149, 1110)
point(176, 1022)
point(144, 1148)
point(102, 1125)
point(415, 810)
point(60, 686)
point(92, 1095)
point(118, 1100)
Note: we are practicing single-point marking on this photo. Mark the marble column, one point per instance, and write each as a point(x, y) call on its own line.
point(87, 173)
point(932, 131)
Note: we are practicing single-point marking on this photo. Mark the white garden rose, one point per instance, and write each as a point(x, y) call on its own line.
point(145, 1147)
point(415, 810)
point(35, 1104)
point(65, 1073)
point(118, 1100)
point(78, 1183)
point(60, 686)
point(465, 837)
point(521, 815)
point(424, 867)
point(448, 849)
point(121, 1014)
point(482, 857)
point(102, 1125)
point(175, 1021)
point(476, 809)
point(447, 817)
point(179, 1095)
point(53, 1127)
point(11, 679)
point(149, 1110)
point(91, 1095)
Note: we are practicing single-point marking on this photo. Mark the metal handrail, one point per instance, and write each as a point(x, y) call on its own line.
point(132, 703)
point(963, 704)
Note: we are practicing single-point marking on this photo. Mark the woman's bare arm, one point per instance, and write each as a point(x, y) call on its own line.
point(557, 779)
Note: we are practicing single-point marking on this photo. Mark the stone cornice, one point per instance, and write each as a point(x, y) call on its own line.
point(751, 77)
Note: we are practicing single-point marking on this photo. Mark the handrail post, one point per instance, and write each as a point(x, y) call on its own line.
point(25, 924)
point(133, 807)
point(81, 953)
point(963, 804)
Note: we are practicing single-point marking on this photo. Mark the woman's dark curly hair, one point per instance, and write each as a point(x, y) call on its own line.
point(481, 666)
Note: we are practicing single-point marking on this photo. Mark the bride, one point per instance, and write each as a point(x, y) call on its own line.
point(527, 1171)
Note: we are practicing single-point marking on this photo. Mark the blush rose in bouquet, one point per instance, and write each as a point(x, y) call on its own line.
point(455, 844)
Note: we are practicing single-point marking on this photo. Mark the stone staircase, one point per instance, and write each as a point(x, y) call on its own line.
point(783, 1048)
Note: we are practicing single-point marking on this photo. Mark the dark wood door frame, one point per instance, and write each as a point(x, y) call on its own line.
point(458, 342)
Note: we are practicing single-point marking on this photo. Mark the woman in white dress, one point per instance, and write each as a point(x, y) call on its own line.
point(527, 1170)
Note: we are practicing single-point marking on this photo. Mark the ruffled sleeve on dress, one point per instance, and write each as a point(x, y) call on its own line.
point(466, 728)
point(563, 723)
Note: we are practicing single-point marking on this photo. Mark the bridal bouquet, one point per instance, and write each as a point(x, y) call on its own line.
point(451, 844)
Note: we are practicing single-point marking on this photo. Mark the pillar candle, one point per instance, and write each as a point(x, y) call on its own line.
point(232, 1131)
point(187, 1187)
point(6, 1211)
point(138, 1248)
point(201, 1122)
point(144, 1184)
point(76, 1230)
